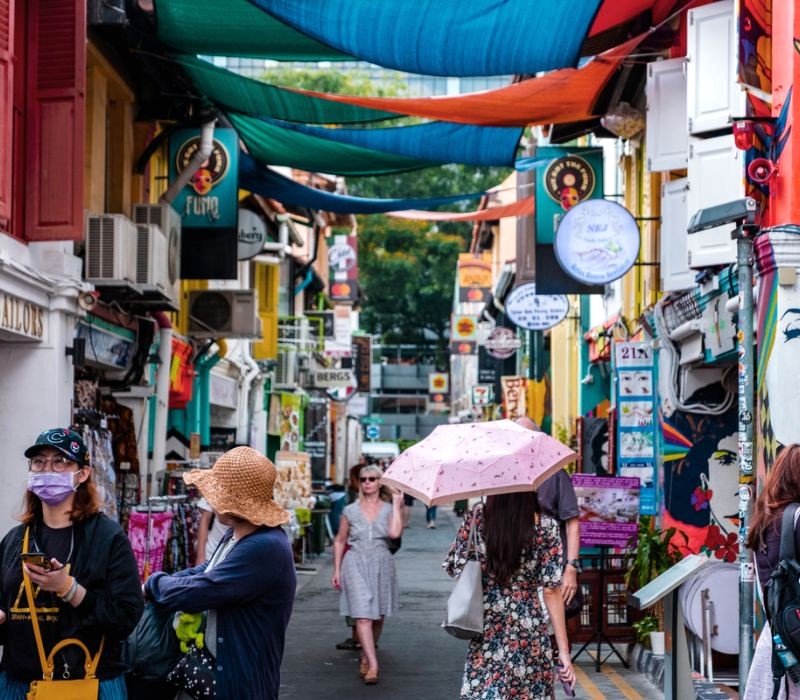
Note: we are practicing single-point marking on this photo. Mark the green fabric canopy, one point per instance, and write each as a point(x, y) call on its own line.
point(235, 28)
point(277, 146)
point(258, 99)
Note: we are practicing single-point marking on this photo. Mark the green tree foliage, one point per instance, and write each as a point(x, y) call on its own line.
point(341, 82)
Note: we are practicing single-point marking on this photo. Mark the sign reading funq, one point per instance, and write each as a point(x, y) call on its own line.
point(535, 312)
point(597, 241)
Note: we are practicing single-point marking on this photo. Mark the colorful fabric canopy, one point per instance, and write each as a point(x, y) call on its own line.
point(234, 28)
point(436, 141)
point(446, 37)
point(278, 146)
point(558, 97)
point(615, 12)
point(523, 207)
point(256, 178)
point(259, 99)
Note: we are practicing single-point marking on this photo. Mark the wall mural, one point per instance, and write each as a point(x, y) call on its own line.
point(701, 481)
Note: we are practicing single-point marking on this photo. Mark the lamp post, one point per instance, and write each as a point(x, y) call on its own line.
point(742, 213)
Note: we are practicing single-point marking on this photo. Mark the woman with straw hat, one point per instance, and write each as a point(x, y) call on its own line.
point(365, 573)
point(248, 586)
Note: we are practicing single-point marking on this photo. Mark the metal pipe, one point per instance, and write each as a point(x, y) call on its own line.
point(744, 261)
point(162, 396)
point(200, 157)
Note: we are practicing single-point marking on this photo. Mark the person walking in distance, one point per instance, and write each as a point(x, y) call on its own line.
point(519, 551)
point(365, 574)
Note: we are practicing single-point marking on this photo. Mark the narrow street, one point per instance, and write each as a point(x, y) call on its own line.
point(418, 660)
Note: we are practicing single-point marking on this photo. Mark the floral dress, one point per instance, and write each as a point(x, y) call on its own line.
point(512, 658)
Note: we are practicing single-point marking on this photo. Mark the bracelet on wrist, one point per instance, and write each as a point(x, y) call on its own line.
point(73, 589)
point(65, 590)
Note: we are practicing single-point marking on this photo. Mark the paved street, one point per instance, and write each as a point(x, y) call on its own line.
point(418, 660)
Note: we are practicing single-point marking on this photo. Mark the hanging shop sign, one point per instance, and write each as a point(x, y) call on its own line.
point(317, 426)
point(482, 395)
point(438, 383)
point(502, 343)
point(223, 391)
point(107, 346)
point(252, 234)
point(609, 510)
point(597, 242)
point(21, 320)
point(341, 343)
point(463, 334)
point(333, 378)
point(291, 422)
point(293, 480)
point(343, 267)
point(535, 312)
point(361, 353)
point(635, 367)
point(210, 199)
point(514, 395)
point(474, 274)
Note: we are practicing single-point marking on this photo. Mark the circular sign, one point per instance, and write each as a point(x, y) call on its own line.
point(465, 327)
point(252, 234)
point(569, 180)
point(373, 432)
point(535, 312)
point(341, 257)
point(502, 343)
point(210, 172)
point(597, 241)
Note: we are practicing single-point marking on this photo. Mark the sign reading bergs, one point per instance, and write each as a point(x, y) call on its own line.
point(535, 312)
point(597, 241)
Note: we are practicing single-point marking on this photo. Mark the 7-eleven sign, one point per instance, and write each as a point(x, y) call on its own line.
point(482, 394)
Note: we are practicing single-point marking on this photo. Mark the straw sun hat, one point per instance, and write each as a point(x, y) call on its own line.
point(241, 484)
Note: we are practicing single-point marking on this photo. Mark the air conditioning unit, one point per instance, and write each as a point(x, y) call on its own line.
point(223, 313)
point(169, 221)
point(110, 250)
point(286, 370)
point(155, 269)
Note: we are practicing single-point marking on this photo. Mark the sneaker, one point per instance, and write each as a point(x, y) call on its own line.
point(431, 526)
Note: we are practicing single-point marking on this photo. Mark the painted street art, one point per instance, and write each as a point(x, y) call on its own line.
point(701, 481)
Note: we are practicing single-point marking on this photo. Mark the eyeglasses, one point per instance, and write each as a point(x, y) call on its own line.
point(368, 478)
point(58, 463)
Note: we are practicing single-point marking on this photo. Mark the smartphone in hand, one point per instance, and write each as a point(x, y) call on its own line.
point(569, 690)
point(37, 559)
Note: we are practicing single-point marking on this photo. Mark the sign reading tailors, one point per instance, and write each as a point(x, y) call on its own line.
point(333, 378)
point(20, 319)
point(210, 199)
point(535, 312)
point(609, 510)
point(597, 241)
point(438, 383)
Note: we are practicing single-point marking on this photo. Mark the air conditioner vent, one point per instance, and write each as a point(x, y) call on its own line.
point(110, 250)
point(228, 313)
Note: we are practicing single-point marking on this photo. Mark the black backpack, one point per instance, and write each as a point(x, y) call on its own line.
point(782, 597)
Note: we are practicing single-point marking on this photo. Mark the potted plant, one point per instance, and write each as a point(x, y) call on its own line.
point(653, 554)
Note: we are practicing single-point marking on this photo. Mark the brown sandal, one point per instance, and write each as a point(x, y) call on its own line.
point(371, 678)
point(363, 667)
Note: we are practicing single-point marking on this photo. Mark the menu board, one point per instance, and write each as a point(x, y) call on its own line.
point(609, 510)
point(293, 480)
point(634, 364)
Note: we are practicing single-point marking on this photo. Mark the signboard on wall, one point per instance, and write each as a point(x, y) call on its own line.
point(634, 366)
point(316, 443)
point(514, 396)
point(463, 334)
point(474, 275)
point(361, 352)
point(609, 510)
point(343, 267)
point(438, 383)
point(535, 312)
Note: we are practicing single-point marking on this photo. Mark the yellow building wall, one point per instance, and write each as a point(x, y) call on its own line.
point(267, 285)
point(565, 369)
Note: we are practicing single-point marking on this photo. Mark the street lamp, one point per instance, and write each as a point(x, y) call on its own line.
point(741, 213)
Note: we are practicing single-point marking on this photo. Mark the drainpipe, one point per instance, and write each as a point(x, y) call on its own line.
point(200, 157)
point(162, 396)
point(243, 429)
point(200, 409)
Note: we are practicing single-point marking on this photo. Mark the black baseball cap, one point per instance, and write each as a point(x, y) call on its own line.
point(66, 441)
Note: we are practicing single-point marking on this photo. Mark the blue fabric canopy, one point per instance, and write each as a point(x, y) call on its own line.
point(437, 141)
point(447, 37)
point(256, 178)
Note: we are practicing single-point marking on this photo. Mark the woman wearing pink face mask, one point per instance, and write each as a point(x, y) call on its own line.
point(88, 588)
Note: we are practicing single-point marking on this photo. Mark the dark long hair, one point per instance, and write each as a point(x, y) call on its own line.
point(86, 504)
point(781, 487)
point(509, 519)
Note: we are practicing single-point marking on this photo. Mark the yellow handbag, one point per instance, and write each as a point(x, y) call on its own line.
point(87, 688)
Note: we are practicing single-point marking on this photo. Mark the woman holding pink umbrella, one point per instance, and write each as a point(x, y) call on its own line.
point(519, 551)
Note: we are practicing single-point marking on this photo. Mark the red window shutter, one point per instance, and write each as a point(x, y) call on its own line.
point(56, 118)
point(6, 107)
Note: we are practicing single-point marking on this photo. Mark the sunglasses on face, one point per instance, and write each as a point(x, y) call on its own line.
point(368, 478)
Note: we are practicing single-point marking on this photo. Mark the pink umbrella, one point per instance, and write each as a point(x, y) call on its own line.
point(462, 460)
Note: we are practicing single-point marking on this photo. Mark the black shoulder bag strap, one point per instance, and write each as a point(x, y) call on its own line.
point(786, 553)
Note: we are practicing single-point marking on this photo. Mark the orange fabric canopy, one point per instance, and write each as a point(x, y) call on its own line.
point(523, 207)
point(559, 97)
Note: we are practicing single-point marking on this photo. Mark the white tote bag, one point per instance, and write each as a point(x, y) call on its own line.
point(464, 616)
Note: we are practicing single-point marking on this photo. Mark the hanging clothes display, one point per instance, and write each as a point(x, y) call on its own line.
point(148, 533)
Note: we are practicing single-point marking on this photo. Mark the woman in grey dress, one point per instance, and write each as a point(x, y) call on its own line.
point(365, 572)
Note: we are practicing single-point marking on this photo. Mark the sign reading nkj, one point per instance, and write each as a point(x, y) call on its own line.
point(210, 200)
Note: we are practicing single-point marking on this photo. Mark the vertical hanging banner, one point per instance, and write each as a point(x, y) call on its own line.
point(474, 277)
point(514, 395)
point(634, 367)
point(343, 267)
point(463, 334)
point(316, 443)
point(291, 423)
point(361, 352)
